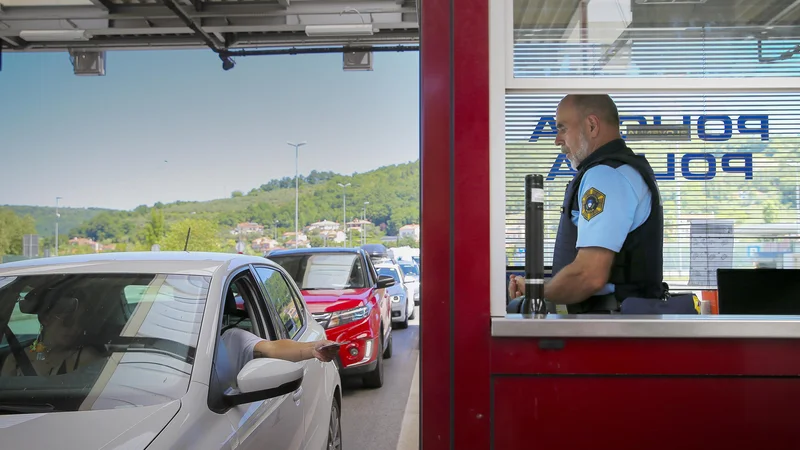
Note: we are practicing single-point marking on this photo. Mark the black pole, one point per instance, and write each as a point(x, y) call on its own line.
point(186, 245)
point(534, 245)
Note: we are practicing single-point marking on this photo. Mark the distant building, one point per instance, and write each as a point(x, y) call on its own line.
point(264, 244)
point(322, 226)
point(247, 228)
point(409, 231)
point(289, 236)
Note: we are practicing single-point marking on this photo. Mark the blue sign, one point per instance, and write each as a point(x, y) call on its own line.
point(704, 169)
point(746, 124)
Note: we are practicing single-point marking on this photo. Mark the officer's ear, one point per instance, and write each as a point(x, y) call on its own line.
point(594, 125)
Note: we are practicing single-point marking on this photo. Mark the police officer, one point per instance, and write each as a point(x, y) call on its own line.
point(610, 234)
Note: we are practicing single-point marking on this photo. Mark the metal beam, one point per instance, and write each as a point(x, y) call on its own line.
point(243, 41)
point(284, 3)
point(210, 40)
point(102, 4)
point(210, 10)
point(134, 31)
point(784, 12)
point(318, 50)
point(14, 42)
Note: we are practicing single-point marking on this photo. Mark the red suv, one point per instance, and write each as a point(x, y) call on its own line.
point(346, 296)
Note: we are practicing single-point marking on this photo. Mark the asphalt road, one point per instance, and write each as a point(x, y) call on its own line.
point(371, 418)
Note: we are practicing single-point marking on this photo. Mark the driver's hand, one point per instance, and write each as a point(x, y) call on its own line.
point(324, 355)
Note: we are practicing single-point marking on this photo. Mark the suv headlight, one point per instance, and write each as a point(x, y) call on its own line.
point(349, 315)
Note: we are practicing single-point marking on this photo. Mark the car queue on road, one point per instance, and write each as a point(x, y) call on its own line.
point(152, 350)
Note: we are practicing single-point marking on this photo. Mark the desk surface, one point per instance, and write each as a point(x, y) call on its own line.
point(635, 326)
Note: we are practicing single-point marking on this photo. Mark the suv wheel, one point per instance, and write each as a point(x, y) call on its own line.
point(388, 352)
point(374, 379)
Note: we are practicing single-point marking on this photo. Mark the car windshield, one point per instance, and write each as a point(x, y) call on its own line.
point(76, 342)
point(388, 271)
point(409, 269)
point(324, 270)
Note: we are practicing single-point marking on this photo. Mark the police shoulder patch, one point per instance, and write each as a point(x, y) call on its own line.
point(592, 203)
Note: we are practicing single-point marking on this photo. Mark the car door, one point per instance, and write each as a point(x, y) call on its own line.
point(277, 422)
point(291, 322)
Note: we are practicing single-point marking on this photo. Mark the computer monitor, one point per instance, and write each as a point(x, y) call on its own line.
point(759, 291)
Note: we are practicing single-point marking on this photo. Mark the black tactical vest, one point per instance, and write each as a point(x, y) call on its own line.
point(638, 267)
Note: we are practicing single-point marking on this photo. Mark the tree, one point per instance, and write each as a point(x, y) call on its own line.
point(155, 229)
point(204, 236)
point(12, 228)
point(408, 241)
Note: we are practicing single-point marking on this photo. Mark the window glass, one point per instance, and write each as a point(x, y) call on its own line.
point(99, 341)
point(324, 270)
point(410, 269)
point(282, 299)
point(726, 165)
point(389, 272)
point(642, 38)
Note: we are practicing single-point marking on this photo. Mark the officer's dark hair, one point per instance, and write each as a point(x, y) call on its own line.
point(600, 105)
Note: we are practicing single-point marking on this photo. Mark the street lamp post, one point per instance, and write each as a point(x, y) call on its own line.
point(296, 189)
point(344, 210)
point(57, 217)
point(364, 225)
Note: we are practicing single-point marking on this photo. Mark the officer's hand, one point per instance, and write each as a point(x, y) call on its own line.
point(516, 286)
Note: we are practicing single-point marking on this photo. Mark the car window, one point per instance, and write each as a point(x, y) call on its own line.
point(324, 270)
point(409, 269)
point(390, 272)
point(237, 312)
point(280, 295)
point(118, 340)
point(372, 271)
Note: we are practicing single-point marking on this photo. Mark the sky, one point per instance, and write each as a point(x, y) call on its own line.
point(163, 126)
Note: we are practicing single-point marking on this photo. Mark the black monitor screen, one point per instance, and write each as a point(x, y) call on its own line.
point(759, 291)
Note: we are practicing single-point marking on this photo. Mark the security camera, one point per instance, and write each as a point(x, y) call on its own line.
point(227, 63)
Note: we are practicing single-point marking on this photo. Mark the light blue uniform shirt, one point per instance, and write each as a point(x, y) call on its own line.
point(613, 202)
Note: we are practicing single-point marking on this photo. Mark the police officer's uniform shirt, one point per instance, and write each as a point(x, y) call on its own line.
point(613, 202)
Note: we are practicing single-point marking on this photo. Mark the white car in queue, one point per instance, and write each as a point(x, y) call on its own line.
point(402, 306)
point(123, 350)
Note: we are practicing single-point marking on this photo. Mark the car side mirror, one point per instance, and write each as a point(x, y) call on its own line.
point(409, 279)
point(264, 378)
point(385, 281)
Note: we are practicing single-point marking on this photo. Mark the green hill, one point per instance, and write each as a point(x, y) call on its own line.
point(45, 217)
point(392, 193)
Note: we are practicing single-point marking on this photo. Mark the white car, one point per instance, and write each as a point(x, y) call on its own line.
point(411, 279)
point(128, 355)
point(402, 306)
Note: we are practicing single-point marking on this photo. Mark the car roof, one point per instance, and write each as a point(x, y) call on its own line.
point(314, 250)
point(185, 263)
point(388, 264)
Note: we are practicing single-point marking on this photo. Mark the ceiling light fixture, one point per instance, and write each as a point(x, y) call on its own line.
point(54, 35)
point(364, 29)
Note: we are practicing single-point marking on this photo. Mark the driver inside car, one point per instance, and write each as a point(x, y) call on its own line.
point(243, 346)
point(61, 346)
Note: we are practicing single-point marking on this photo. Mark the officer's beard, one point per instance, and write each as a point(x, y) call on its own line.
point(577, 157)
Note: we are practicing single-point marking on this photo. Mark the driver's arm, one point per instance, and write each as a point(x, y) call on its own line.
point(293, 351)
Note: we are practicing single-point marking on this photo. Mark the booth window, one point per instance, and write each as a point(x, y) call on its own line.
point(706, 90)
point(655, 38)
point(727, 168)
